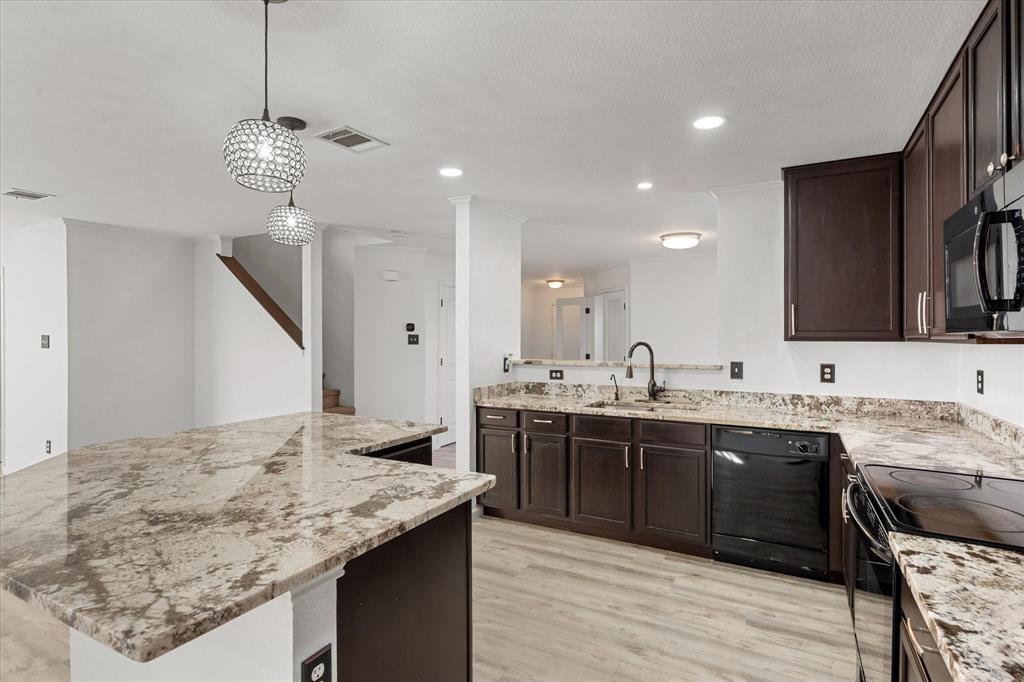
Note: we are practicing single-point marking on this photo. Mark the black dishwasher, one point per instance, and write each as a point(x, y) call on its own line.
point(770, 500)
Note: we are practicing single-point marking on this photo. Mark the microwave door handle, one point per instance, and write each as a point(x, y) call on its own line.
point(877, 547)
point(980, 276)
point(1017, 303)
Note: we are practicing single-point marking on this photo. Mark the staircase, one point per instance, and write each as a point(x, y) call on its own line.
point(332, 397)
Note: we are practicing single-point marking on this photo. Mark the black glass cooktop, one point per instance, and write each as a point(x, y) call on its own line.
point(968, 507)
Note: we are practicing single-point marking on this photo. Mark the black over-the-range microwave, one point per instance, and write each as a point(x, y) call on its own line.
point(984, 247)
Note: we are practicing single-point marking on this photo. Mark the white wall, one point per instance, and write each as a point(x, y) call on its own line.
point(537, 300)
point(1004, 380)
point(488, 281)
point(246, 366)
point(130, 315)
point(393, 379)
point(277, 268)
point(35, 400)
point(674, 303)
point(609, 279)
point(339, 281)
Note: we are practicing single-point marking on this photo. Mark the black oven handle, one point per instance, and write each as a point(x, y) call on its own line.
point(877, 547)
point(988, 304)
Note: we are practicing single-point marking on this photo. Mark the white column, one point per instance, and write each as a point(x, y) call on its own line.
point(312, 319)
point(488, 289)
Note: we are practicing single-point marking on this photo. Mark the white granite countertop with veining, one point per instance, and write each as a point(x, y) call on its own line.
point(147, 543)
point(971, 596)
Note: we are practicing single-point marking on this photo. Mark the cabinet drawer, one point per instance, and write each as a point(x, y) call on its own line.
point(494, 417)
point(671, 433)
point(545, 422)
point(605, 428)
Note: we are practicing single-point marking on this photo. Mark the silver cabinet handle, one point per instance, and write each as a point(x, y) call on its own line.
point(514, 444)
point(494, 416)
point(626, 452)
point(919, 312)
point(991, 168)
point(526, 444)
point(842, 503)
point(792, 319)
point(542, 421)
point(641, 459)
point(843, 455)
point(913, 640)
point(924, 312)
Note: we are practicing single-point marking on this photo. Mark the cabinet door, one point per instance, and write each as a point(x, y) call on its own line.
point(917, 247)
point(986, 96)
point(843, 265)
point(545, 473)
point(497, 452)
point(948, 181)
point(1016, 75)
point(671, 498)
point(601, 482)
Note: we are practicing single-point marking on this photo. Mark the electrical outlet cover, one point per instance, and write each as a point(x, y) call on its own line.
point(414, 339)
point(735, 370)
point(828, 373)
point(317, 668)
point(981, 381)
point(555, 374)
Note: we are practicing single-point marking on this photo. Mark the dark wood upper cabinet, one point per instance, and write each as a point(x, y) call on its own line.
point(948, 182)
point(498, 454)
point(1015, 87)
point(545, 473)
point(601, 482)
point(917, 245)
point(987, 121)
point(670, 493)
point(843, 258)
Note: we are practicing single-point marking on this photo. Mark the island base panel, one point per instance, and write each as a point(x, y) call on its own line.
point(404, 608)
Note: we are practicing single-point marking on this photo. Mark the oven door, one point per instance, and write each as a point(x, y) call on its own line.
point(871, 597)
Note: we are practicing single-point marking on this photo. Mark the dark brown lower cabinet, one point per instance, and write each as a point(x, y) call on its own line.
point(545, 474)
point(671, 493)
point(601, 482)
point(498, 454)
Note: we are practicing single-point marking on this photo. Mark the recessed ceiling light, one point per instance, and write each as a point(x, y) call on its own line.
point(451, 172)
point(680, 240)
point(708, 122)
point(644, 185)
point(556, 283)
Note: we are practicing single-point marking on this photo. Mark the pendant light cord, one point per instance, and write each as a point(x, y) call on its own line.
point(266, 58)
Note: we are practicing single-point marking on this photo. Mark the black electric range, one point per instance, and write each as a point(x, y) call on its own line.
point(965, 507)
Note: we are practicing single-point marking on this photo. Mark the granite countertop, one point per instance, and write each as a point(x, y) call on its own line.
point(972, 599)
point(971, 596)
point(147, 543)
point(545, 362)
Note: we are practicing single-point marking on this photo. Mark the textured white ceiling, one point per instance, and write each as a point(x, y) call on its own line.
point(554, 109)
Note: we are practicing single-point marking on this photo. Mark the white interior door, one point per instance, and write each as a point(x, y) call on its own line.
point(570, 329)
point(615, 326)
point(446, 365)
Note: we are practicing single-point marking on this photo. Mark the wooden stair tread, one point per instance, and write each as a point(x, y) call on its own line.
point(341, 409)
point(332, 398)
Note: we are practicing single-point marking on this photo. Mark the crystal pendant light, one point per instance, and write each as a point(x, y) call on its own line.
point(259, 153)
point(291, 225)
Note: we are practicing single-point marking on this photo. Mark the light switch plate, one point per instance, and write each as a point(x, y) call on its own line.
point(735, 370)
point(555, 374)
point(981, 381)
point(44, 341)
point(828, 373)
point(414, 339)
point(317, 668)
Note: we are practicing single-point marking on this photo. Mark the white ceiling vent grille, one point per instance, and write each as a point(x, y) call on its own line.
point(26, 194)
point(352, 140)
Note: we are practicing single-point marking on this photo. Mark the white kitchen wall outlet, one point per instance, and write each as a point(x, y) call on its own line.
point(828, 373)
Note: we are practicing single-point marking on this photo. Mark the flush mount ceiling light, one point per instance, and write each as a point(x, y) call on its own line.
point(680, 240)
point(451, 172)
point(644, 185)
point(709, 122)
point(291, 225)
point(259, 153)
point(556, 283)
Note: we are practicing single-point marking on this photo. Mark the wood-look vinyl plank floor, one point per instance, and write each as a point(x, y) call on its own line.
point(551, 605)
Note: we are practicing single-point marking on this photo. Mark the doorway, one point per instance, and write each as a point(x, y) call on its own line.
point(446, 364)
point(569, 329)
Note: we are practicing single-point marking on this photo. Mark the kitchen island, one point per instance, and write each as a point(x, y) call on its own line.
point(222, 552)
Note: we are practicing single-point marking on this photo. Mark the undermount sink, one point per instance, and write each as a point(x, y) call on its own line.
point(643, 405)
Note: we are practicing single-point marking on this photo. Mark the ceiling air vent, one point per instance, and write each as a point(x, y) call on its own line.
point(352, 140)
point(26, 194)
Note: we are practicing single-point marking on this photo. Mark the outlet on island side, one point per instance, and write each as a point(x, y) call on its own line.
point(828, 373)
point(555, 375)
point(317, 668)
point(981, 381)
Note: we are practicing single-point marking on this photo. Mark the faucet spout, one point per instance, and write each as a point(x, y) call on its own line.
point(616, 382)
point(652, 386)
